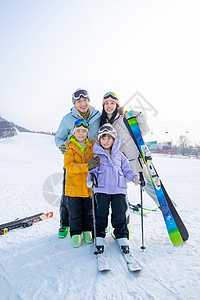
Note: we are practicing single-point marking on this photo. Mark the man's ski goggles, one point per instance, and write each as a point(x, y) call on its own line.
point(110, 94)
point(83, 123)
point(81, 93)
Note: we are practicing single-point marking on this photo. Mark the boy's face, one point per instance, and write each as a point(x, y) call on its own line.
point(110, 107)
point(106, 141)
point(82, 105)
point(80, 135)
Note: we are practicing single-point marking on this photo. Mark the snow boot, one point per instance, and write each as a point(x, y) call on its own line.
point(87, 236)
point(124, 245)
point(63, 232)
point(76, 240)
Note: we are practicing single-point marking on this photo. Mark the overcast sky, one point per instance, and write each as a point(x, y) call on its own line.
point(50, 48)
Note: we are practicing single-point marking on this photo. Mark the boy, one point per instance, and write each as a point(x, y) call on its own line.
point(78, 160)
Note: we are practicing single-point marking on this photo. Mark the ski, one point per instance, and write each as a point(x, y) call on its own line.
point(137, 208)
point(25, 222)
point(132, 264)
point(102, 261)
point(182, 229)
point(171, 219)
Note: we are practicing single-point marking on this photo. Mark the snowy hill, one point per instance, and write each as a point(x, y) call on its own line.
point(9, 129)
point(35, 264)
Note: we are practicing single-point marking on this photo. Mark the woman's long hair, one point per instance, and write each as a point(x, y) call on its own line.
point(104, 117)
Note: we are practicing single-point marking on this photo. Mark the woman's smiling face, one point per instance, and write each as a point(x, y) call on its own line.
point(109, 107)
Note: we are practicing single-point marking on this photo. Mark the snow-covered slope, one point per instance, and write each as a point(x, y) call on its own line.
point(35, 264)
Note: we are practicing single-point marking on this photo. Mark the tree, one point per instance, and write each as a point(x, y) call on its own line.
point(183, 143)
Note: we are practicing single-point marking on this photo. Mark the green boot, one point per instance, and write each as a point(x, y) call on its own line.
point(87, 236)
point(76, 240)
point(63, 232)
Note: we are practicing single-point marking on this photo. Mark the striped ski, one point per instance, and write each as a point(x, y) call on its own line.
point(132, 125)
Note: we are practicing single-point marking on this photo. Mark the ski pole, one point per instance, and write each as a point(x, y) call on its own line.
point(90, 184)
point(141, 198)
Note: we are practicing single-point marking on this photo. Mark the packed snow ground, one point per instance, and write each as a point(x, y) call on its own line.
point(35, 264)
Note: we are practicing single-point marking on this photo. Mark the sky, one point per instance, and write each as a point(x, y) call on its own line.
point(146, 48)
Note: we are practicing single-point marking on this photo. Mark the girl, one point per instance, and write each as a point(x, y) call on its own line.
point(114, 114)
point(78, 160)
point(111, 175)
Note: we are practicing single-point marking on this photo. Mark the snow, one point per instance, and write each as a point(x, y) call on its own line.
point(35, 264)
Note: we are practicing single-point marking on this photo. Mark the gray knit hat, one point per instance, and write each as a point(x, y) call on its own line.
point(78, 94)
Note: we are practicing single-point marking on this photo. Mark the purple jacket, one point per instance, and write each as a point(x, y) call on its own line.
point(112, 171)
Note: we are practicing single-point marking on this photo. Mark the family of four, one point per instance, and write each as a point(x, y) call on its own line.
point(101, 144)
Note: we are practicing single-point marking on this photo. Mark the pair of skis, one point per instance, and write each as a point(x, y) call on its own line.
point(102, 261)
point(175, 227)
point(25, 222)
point(103, 265)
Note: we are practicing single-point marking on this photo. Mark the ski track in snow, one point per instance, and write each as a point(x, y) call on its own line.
point(35, 264)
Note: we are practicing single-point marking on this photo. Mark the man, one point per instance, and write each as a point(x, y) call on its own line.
point(81, 110)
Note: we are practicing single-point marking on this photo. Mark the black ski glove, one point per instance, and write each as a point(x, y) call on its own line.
point(93, 163)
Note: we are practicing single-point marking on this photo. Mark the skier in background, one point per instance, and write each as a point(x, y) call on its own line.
point(81, 110)
point(78, 160)
point(111, 174)
point(112, 113)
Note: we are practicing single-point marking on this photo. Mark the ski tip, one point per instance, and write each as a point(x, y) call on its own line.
point(104, 270)
point(134, 269)
point(49, 215)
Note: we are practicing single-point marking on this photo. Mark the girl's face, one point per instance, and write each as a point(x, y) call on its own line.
point(82, 105)
point(106, 141)
point(109, 107)
point(80, 135)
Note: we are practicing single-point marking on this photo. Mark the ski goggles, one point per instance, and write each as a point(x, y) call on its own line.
point(81, 93)
point(106, 128)
point(83, 123)
point(110, 94)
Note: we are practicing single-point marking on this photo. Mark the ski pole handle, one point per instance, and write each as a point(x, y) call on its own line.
point(93, 181)
point(90, 184)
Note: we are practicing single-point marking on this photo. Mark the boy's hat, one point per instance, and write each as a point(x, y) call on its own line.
point(81, 124)
point(78, 94)
point(107, 129)
point(110, 96)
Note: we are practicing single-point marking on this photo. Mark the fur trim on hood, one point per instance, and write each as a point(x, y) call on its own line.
point(92, 140)
point(121, 110)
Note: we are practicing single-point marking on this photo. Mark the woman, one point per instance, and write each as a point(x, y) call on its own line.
point(112, 113)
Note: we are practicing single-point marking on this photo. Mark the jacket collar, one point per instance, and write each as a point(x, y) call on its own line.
point(82, 149)
point(99, 150)
point(76, 112)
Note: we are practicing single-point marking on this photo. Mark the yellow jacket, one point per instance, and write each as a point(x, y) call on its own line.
point(76, 160)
